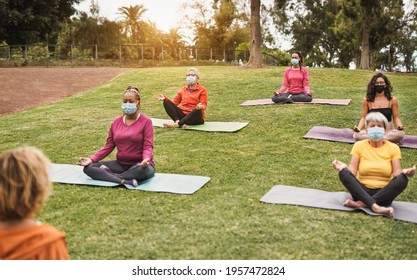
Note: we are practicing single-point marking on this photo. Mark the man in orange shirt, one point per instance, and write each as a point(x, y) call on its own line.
point(189, 104)
point(24, 185)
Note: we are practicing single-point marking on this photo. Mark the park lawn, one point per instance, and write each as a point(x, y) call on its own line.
point(225, 219)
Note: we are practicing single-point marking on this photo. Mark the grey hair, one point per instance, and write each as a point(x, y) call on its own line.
point(194, 70)
point(376, 117)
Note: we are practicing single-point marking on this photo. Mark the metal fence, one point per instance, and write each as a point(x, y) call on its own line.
point(119, 55)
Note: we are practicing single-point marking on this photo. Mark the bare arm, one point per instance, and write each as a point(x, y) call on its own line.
point(410, 171)
point(364, 113)
point(354, 165)
point(396, 167)
point(395, 114)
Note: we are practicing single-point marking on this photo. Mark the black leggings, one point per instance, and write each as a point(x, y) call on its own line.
point(382, 197)
point(176, 114)
point(118, 172)
point(286, 98)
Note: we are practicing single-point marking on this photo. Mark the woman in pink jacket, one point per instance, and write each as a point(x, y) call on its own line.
point(132, 135)
point(295, 86)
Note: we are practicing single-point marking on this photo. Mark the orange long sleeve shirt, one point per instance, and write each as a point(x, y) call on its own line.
point(187, 100)
point(37, 242)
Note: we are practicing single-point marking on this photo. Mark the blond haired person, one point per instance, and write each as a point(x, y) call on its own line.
point(374, 176)
point(189, 105)
point(24, 186)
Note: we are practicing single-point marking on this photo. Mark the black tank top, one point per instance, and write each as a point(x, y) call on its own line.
point(387, 112)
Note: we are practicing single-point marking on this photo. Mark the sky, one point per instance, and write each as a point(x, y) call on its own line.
point(165, 13)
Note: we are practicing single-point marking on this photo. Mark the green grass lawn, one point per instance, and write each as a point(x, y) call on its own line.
point(225, 219)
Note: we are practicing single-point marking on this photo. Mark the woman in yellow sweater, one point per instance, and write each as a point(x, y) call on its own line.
point(374, 176)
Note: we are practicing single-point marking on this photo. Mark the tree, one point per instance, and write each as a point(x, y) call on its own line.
point(223, 26)
point(132, 21)
point(335, 32)
point(255, 55)
point(27, 21)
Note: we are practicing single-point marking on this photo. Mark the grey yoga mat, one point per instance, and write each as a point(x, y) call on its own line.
point(280, 194)
point(161, 182)
point(346, 135)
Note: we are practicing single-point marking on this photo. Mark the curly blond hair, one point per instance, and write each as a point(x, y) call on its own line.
point(24, 183)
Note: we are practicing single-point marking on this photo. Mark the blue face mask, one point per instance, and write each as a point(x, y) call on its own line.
point(376, 133)
point(191, 80)
point(129, 108)
point(295, 61)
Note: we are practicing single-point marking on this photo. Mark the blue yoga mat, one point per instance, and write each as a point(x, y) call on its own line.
point(207, 126)
point(161, 182)
point(403, 211)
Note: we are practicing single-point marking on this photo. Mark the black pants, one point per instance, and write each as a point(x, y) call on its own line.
point(382, 197)
point(286, 98)
point(176, 114)
point(118, 171)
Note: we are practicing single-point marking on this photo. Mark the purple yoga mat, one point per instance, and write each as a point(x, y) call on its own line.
point(268, 101)
point(346, 135)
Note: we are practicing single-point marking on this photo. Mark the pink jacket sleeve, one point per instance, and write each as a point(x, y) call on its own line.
point(148, 141)
point(285, 84)
point(107, 148)
point(306, 84)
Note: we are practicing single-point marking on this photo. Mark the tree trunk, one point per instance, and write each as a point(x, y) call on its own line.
point(255, 56)
point(365, 42)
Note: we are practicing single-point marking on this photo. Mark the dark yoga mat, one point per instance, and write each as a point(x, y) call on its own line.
point(346, 135)
point(268, 101)
point(161, 182)
point(403, 211)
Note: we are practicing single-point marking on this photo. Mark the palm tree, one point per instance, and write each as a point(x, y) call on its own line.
point(174, 40)
point(132, 20)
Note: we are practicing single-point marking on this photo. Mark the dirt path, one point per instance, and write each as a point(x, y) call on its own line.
point(23, 88)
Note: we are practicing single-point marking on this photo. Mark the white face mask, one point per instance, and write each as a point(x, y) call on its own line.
point(129, 108)
point(295, 61)
point(376, 133)
point(191, 80)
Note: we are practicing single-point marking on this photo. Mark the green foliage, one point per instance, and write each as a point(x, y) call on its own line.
point(334, 33)
point(27, 22)
point(220, 27)
point(38, 52)
point(225, 219)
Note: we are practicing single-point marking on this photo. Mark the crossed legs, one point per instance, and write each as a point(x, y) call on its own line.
point(180, 119)
point(378, 200)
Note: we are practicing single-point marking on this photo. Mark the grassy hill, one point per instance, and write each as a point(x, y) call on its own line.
point(225, 219)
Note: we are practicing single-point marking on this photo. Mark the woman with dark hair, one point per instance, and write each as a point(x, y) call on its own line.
point(295, 83)
point(132, 135)
point(379, 99)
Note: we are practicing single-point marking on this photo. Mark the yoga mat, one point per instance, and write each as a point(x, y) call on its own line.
point(161, 182)
point(346, 135)
point(207, 126)
point(403, 211)
point(268, 101)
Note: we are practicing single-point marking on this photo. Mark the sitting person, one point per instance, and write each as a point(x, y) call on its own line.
point(24, 186)
point(379, 99)
point(296, 81)
point(133, 136)
point(189, 104)
point(374, 177)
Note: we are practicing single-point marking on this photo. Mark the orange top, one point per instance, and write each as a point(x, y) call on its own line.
point(187, 100)
point(37, 242)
